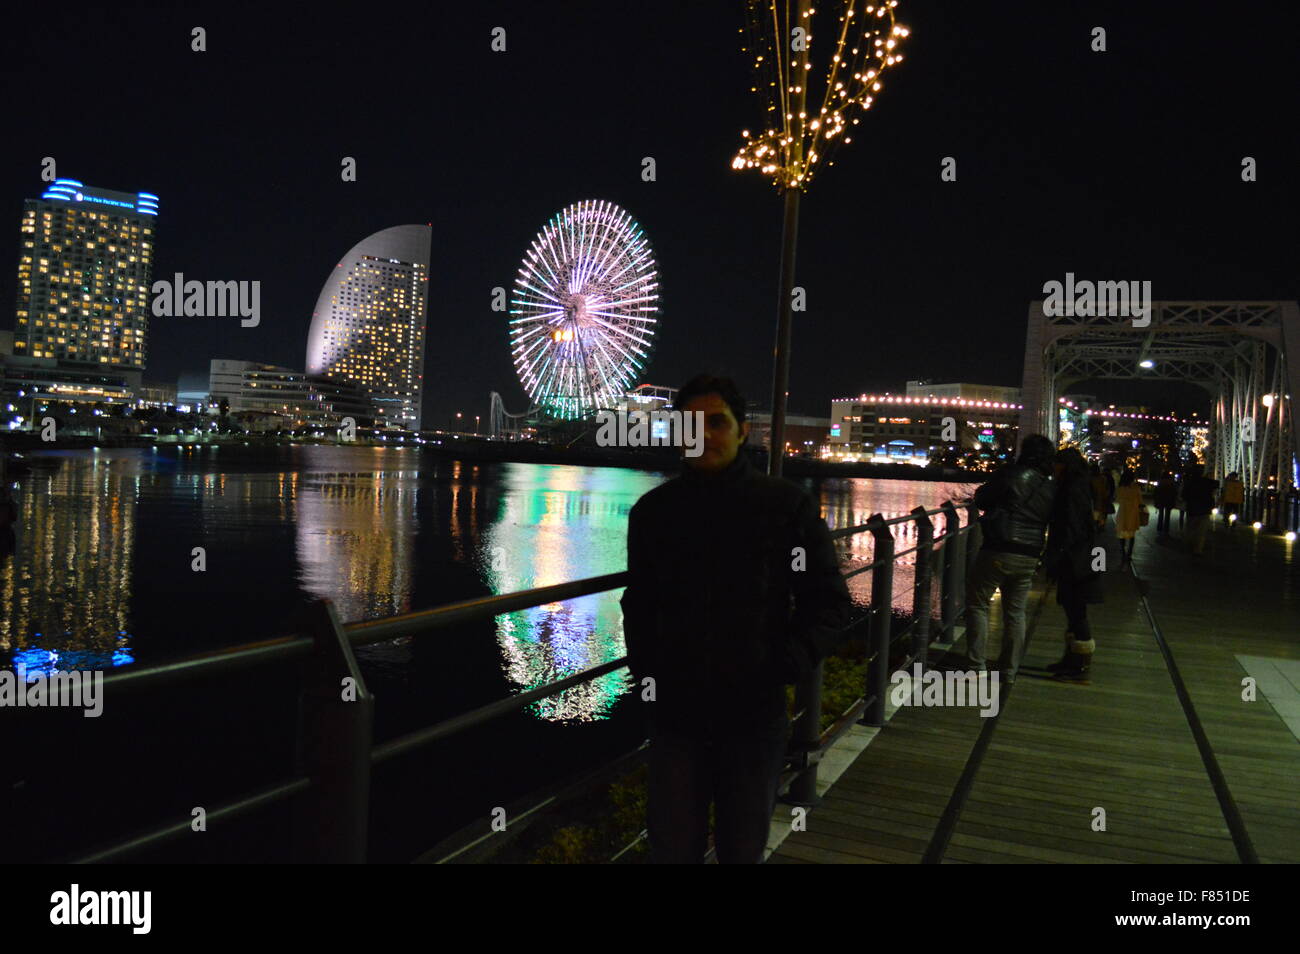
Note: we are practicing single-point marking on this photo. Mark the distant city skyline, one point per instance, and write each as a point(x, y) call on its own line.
point(907, 276)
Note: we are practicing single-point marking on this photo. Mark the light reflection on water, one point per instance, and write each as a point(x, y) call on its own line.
point(560, 523)
point(104, 572)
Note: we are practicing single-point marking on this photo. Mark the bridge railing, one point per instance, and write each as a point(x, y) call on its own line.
point(335, 752)
point(1276, 511)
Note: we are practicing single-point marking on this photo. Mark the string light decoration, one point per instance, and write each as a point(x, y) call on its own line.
point(584, 310)
point(794, 144)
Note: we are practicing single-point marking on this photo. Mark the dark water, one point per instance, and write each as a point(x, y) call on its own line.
point(103, 576)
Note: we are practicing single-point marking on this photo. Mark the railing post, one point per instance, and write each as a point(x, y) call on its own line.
point(921, 587)
point(953, 558)
point(805, 738)
point(882, 605)
point(335, 722)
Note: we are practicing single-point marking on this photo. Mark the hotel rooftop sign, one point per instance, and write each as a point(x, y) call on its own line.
point(70, 190)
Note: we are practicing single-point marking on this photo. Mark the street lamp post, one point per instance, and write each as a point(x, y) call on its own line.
point(800, 132)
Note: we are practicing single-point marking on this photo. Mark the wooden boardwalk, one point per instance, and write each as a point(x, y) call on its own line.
point(1061, 753)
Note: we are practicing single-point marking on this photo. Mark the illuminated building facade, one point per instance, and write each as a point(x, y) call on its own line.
point(894, 428)
point(82, 312)
point(369, 324)
point(83, 276)
point(963, 389)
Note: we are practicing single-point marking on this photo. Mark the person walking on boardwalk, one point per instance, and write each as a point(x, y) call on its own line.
point(1017, 501)
point(1128, 517)
point(1103, 495)
point(1071, 560)
point(734, 593)
point(1166, 497)
point(1198, 501)
point(1234, 495)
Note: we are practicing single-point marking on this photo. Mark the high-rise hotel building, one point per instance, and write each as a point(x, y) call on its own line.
point(368, 326)
point(83, 283)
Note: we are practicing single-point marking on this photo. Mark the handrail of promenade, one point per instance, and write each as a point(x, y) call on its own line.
point(335, 750)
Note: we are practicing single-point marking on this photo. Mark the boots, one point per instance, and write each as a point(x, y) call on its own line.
point(1065, 659)
point(1078, 659)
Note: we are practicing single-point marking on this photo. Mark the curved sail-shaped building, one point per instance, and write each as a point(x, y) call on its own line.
point(368, 326)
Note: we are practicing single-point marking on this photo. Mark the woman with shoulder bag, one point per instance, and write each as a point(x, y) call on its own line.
point(1128, 518)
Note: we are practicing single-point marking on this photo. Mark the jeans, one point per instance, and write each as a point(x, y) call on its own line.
point(737, 773)
point(1162, 520)
point(1012, 573)
point(1074, 602)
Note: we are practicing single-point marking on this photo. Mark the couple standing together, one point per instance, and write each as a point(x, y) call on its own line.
point(1045, 497)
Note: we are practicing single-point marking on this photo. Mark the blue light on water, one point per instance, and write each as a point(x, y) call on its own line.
point(38, 661)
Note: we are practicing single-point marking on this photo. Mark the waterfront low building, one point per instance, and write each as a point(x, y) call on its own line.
point(301, 399)
point(156, 395)
point(805, 436)
point(33, 386)
point(910, 429)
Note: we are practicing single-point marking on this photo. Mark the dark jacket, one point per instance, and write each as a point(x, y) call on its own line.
point(1198, 495)
point(1166, 496)
point(1018, 504)
point(715, 611)
point(1072, 535)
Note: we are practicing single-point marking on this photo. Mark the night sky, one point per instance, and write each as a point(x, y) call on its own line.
point(1115, 165)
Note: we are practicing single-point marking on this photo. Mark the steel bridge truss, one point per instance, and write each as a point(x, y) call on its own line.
point(1245, 354)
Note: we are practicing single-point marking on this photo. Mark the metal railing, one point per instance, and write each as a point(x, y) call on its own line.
point(1272, 510)
point(335, 752)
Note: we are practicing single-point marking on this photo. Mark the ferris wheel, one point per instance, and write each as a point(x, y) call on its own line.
point(583, 313)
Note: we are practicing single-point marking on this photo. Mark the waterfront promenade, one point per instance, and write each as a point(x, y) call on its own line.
point(928, 788)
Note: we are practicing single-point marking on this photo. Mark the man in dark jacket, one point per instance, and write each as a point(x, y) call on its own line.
point(1166, 498)
point(735, 593)
point(1018, 504)
point(1198, 502)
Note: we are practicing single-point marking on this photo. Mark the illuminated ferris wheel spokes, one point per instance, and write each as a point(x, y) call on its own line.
point(584, 310)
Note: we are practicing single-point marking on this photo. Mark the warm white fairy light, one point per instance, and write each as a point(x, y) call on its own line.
point(866, 43)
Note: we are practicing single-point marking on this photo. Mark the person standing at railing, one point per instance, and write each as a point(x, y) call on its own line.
point(1017, 501)
point(1071, 561)
point(734, 593)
